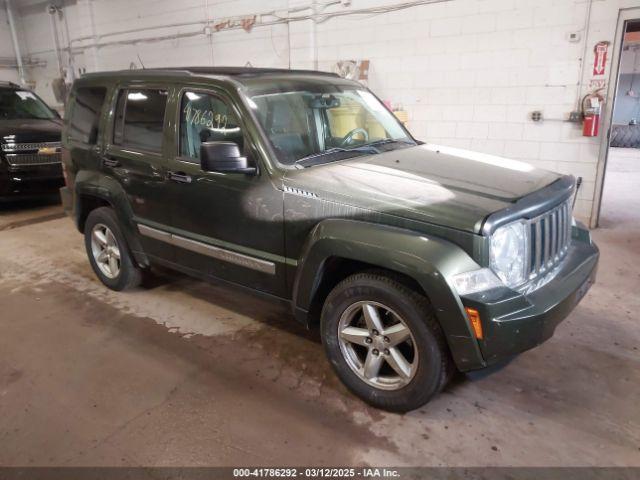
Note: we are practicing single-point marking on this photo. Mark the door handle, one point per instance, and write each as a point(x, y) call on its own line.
point(180, 177)
point(110, 162)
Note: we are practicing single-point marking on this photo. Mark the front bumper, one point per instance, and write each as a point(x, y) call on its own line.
point(31, 183)
point(513, 322)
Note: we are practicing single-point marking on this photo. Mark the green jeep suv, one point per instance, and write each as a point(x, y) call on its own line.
point(415, 260)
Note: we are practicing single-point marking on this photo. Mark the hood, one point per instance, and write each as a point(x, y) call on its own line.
point(435, 184)
point(30, 130)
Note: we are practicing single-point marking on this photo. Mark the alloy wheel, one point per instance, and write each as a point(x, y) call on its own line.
point(377, 345)
point(105, 250)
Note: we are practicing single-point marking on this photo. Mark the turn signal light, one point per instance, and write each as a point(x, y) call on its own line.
point(474, 318)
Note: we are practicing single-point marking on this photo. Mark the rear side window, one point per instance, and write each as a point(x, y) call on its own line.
point(140, 119)
point(85, 115)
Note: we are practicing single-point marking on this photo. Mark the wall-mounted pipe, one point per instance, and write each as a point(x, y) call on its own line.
point(94, 51)
point(321, 17)
point(10, 62)
point(71, 71)
point(52, 10)
point(14, 39)
point(314, 34)
point(585, 51)
point(209, 32)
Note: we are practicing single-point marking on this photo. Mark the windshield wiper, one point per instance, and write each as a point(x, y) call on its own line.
point(367, 148)
point(334, 150)
point(385, 141)
point(321, 154)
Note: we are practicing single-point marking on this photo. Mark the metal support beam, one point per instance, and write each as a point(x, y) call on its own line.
point(14, 39)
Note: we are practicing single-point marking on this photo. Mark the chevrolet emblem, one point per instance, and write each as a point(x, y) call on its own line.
point(47, 150)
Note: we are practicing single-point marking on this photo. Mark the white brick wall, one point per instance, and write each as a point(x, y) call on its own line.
point(468, 71)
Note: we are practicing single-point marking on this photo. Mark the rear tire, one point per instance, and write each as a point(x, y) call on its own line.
point(364, 352)
point(108, 251)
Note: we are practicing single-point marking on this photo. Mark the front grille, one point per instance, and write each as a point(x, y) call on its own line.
point(21, 147)
point(549, 238)
point(17, 160)
point(21, 155)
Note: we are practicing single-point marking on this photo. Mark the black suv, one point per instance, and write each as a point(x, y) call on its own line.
point(415, 259)
point(30, 144)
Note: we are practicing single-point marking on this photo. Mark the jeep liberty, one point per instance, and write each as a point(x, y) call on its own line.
point(414, 260)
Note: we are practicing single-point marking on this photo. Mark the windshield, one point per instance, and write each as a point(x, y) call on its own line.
point(22, 104)
point(303, 123)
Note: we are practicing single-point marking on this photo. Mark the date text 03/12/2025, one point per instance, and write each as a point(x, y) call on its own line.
point(315, 473)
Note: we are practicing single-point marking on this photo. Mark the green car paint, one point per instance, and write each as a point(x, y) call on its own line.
point(425, 212)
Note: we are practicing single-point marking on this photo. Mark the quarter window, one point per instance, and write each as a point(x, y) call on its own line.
point(140, 119)
point(206, 118)
point(85, 115)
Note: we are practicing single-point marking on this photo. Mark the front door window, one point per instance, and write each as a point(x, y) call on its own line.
point(206, 117)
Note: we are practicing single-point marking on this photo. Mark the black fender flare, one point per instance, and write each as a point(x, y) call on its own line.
point(429, 260)
point(103, 187)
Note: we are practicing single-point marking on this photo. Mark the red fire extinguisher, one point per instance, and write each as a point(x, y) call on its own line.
point(591, 105)
point(591, 124)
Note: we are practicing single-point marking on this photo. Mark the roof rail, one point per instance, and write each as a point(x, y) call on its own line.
point(233, 71)
point(224, 71)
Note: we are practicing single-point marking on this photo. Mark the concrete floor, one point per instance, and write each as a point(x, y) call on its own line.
point(16, 214)
point(185, 373)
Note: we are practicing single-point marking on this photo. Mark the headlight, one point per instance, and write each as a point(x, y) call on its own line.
point(507, 255)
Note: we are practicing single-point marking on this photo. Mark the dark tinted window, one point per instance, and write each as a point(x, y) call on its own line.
point(22, 104)
point(206, 118)
point(85, 114)
point(140, 119)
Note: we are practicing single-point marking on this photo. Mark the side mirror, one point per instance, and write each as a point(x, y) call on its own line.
point(224, 157)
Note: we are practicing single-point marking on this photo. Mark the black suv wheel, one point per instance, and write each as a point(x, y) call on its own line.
point(108, 251)
point(384, 342)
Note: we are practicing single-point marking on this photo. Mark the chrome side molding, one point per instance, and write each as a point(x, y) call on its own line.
point(218, 253)
point(154, 233)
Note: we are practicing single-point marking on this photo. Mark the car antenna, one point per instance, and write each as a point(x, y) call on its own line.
point(140, 60)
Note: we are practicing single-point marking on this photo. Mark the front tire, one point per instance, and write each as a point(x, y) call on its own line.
point(384, 342)
point(108, 251)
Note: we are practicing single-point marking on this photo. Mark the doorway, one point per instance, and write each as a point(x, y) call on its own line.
point(619, 207)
